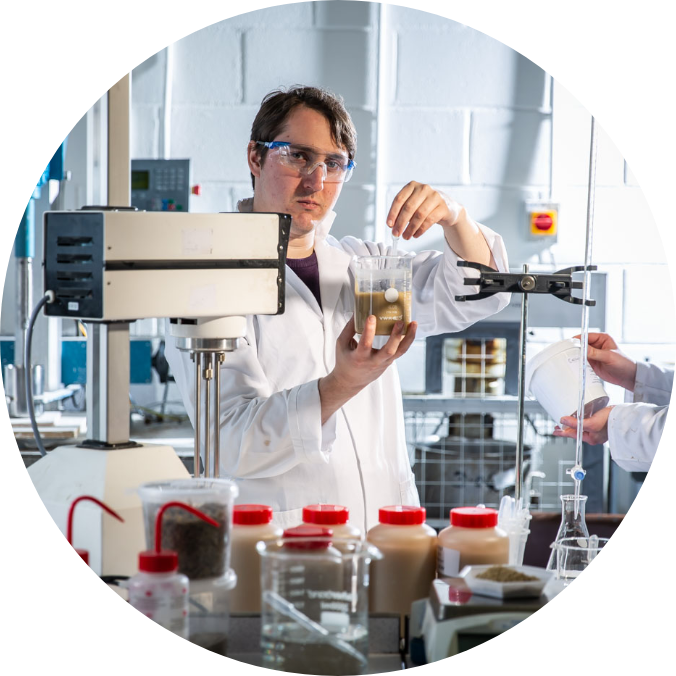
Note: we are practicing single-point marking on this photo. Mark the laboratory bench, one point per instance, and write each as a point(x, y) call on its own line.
point(452, 620)
point(244, 643)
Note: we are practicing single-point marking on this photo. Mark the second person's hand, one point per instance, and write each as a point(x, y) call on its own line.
point(594, 428)
point(609, 363)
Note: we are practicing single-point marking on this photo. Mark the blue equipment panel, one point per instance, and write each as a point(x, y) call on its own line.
point(74, 360)
point(6, 353)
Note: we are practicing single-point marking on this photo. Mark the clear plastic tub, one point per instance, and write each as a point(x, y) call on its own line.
point(203, 551)
point(553, 377)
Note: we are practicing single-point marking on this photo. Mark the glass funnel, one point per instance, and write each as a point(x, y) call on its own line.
point(573, 524)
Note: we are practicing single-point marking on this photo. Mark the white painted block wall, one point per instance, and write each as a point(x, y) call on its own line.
point(460, 111)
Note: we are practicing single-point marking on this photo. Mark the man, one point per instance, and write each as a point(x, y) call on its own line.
point(308, 414)
point(633, 429)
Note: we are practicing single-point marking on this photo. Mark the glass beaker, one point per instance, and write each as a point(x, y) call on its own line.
point(573, 524)
point(382, 287)
point(573, 555)
point(203, 555)
point(314, 604)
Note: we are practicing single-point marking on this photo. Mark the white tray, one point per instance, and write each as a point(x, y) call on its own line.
point(506, 590)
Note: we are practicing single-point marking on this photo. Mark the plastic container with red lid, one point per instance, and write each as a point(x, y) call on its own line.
point(251, 515)
point(409, 549)
point(472, 539)
point(303, 537)
point(251, 524)
point(334, 516)
point(402, 515)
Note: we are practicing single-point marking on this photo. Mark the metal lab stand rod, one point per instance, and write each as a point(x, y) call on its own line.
point(518, 484)
point(559, 284)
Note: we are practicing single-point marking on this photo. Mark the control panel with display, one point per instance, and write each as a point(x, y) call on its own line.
point(160, 185)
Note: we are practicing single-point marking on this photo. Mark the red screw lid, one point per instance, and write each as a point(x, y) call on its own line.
point(158, 562)
point(308, 532)
point(326, 515)
point(251, 515)
point(474, 517)
point(402, 515)
point(84, 555)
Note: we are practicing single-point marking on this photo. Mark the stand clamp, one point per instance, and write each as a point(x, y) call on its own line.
point(559, 284)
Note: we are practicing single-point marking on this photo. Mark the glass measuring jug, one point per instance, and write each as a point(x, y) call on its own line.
point(573, 555)
point(383, 288)
point(314, 602)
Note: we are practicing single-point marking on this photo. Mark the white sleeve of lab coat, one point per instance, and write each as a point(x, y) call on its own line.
point(264, 433)
point(635, 428)
point(437, 280)
point(634, 431)
point(653, 384)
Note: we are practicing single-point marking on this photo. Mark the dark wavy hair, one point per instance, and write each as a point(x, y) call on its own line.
point(278, 104)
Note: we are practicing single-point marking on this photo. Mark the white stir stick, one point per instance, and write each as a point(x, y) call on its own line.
point(392, 294)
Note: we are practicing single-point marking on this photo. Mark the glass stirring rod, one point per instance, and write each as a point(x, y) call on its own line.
point(391, 294)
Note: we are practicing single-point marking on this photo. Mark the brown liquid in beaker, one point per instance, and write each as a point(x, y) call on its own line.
point(387, 314)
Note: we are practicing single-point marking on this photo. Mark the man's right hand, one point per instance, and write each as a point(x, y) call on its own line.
point(358, 364)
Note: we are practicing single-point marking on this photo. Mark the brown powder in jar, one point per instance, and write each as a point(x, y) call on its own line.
point(502, 574)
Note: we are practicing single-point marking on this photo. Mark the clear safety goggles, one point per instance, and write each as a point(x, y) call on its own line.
point(336, 168)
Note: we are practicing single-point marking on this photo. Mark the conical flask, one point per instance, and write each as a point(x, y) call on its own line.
point(572, 525)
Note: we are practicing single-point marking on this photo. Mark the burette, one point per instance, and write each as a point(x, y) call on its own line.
point(577, 472)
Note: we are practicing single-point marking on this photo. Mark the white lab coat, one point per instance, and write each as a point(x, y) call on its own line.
point(635, 429)
point(272, 440)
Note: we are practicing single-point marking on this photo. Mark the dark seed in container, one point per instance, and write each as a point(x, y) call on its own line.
point(199, 545)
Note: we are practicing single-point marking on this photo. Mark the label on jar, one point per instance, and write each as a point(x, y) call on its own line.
point(448, 562)
point(574, 364)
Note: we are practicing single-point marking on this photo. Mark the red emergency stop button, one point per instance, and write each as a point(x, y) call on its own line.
point(196, 190)
point(543, 221)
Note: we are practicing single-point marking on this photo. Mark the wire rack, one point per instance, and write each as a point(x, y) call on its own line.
point(462, 443)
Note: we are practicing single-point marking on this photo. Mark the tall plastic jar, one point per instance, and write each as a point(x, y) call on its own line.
point(409, 559)
point(472, 539)
point(335, 517)
point(251, 524)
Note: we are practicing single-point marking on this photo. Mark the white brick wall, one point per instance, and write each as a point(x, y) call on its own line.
point(461, 111)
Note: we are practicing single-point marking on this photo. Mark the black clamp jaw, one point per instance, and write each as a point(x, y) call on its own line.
point(559, 284)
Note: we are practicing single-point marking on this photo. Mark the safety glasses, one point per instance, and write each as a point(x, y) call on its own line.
point(336, 168)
